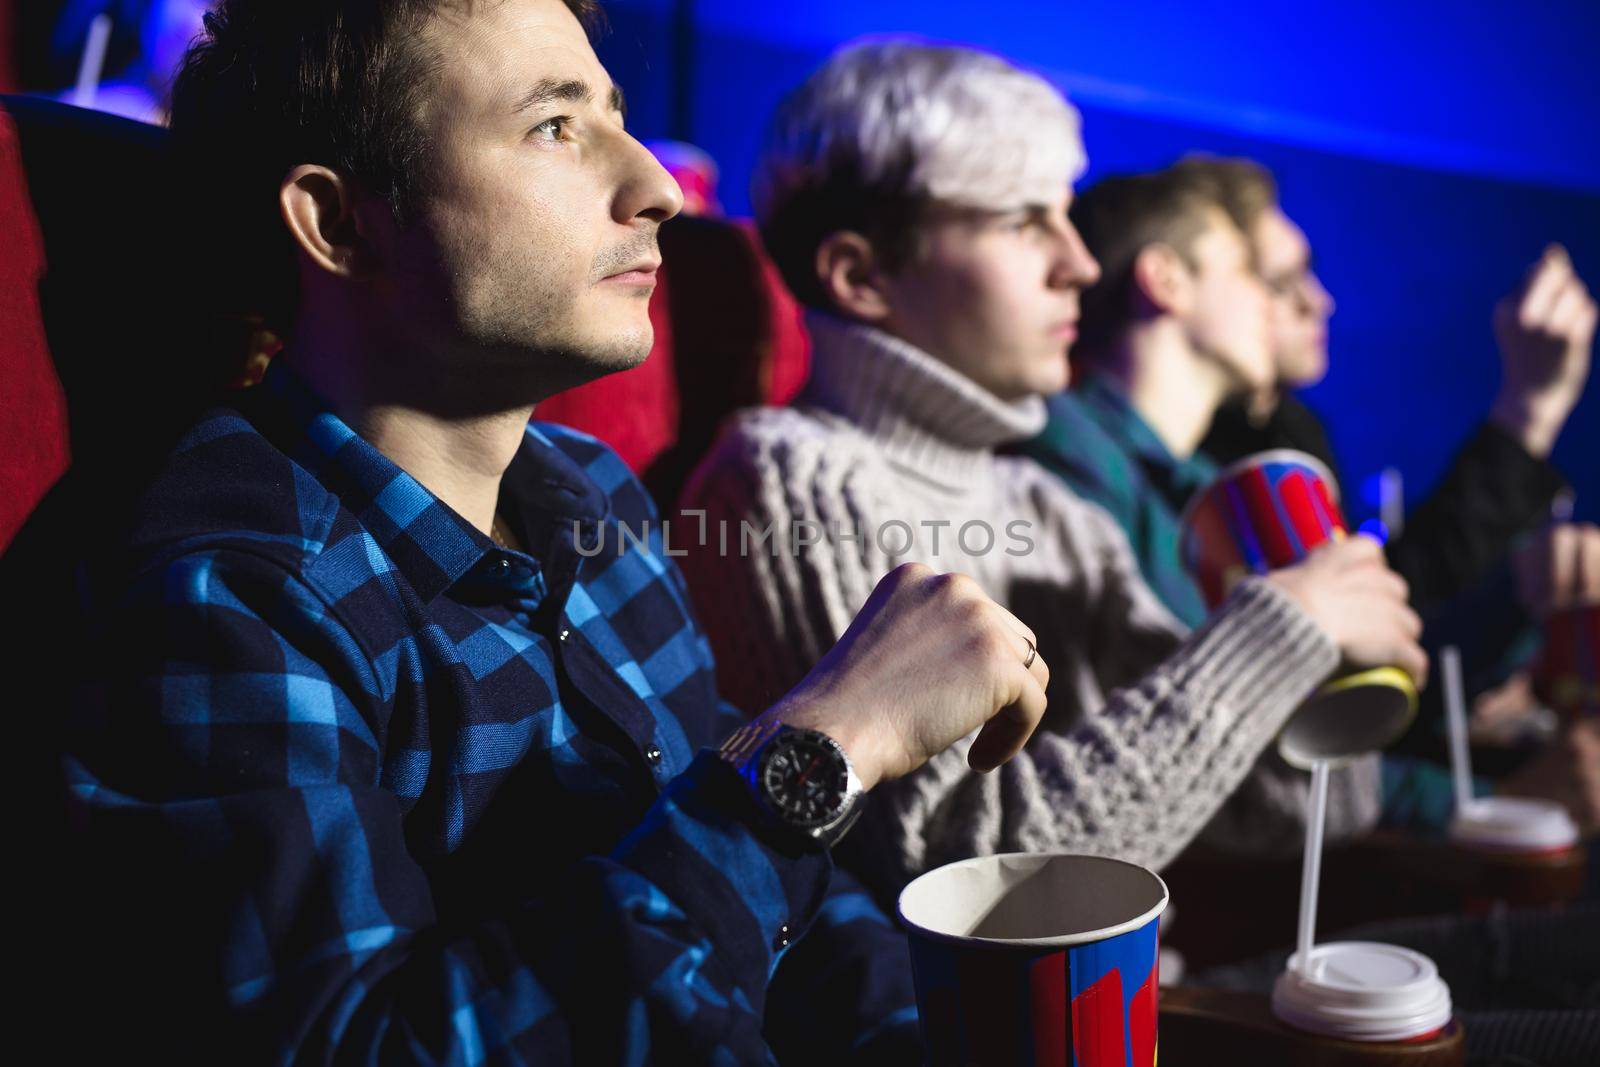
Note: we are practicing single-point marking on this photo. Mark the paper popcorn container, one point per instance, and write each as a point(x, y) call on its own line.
point(1266, 512)
point(1567, 673)
point(1036, 959)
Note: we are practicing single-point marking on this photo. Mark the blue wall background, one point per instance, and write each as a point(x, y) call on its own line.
point(1429, 149)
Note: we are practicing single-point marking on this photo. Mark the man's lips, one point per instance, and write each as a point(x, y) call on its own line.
point(643, 273)
point(1066, 330)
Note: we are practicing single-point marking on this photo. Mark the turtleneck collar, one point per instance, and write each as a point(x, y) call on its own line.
point(925, 415)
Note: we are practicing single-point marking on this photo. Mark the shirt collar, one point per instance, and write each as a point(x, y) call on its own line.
point(544, 494)
point(1111, 409)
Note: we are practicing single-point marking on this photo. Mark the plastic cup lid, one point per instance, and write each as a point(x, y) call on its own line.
point(1522, 824)
point(1363, 991)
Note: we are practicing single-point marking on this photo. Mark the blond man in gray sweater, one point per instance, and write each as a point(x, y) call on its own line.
point(915, 198)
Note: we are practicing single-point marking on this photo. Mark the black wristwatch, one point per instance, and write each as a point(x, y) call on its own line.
point(801, 780)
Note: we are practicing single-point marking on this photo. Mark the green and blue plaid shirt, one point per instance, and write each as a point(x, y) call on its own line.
point(355, 784)
point(1108, 454)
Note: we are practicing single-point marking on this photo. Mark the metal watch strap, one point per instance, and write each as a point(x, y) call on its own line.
point(744, 749)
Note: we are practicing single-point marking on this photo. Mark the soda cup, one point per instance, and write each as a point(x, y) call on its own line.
point(1364, 991)
point(1514, 824)
point(1042, 959)
point(1265, 512)
point(1567, 673)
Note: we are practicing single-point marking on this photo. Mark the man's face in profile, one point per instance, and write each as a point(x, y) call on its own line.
point(532, 256)
point(1300, 305)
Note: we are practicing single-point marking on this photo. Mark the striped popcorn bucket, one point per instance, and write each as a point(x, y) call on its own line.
point(1265, 512)
point(1036, 959)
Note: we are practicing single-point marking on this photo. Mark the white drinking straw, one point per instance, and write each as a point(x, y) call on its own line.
point(1455, 707)
point(93, 61)
point(1392, 501)
point(1311, 870)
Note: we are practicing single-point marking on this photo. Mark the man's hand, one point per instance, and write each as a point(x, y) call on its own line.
point(1360, 603)
point(1545, 328)
point(929, 659)
point(1568, 772)
point(1559, 567)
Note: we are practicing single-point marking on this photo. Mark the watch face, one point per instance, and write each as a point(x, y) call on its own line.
point(805, 779)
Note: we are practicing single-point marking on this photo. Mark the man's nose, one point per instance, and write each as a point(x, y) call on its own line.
point(1322, 300)
point(645, 189)
point(1076, 266)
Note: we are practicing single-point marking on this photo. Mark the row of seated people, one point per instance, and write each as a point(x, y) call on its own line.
point(362, 629)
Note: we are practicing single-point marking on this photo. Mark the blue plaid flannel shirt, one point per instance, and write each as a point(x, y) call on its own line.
point(362, 786)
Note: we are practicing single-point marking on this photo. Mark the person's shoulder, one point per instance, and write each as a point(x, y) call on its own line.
point(225, 485)
point(626, 496)
point(773, 441)
point(779, 459)
point(1077, 449)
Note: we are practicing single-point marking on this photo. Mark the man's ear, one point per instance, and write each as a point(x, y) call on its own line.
point(852, 276)
point(1162, 280)
point(319, 207)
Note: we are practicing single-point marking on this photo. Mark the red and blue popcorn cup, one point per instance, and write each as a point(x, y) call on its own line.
point(1269, 511)
point(1036, 959)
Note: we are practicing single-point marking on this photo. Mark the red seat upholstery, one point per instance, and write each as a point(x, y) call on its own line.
point(112, 303)
point(33, 433)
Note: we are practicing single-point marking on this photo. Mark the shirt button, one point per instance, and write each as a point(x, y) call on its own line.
point(504, 565)
point(562, 636)
point(652, 754)
point(782, 940)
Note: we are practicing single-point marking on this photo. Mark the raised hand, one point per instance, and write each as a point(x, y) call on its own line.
point(1545, 329)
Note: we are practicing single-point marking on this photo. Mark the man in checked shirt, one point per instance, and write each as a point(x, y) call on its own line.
point(378, 761)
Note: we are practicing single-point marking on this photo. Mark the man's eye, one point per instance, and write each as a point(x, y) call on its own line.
point(551, 129)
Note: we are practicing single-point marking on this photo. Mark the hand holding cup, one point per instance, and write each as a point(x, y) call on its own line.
point(1359, 603)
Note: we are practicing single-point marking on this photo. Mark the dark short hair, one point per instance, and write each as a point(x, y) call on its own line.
point(885, 215)
point(1121, 216)
point(272, 84)
point(1244, 187)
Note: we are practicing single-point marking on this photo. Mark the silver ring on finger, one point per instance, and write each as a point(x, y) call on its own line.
point(1033, 653)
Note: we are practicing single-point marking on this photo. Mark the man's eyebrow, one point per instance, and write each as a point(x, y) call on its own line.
point(550, 89)
point(570, 90)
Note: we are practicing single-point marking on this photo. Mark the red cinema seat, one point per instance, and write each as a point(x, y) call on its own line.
point(33, 431)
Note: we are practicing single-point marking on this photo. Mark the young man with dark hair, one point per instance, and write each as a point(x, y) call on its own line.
point(1177, 324)
point(1482, 558)
point(1501, 484)
point(378, 759)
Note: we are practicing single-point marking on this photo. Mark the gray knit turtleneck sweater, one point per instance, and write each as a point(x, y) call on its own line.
point(1148, 732)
